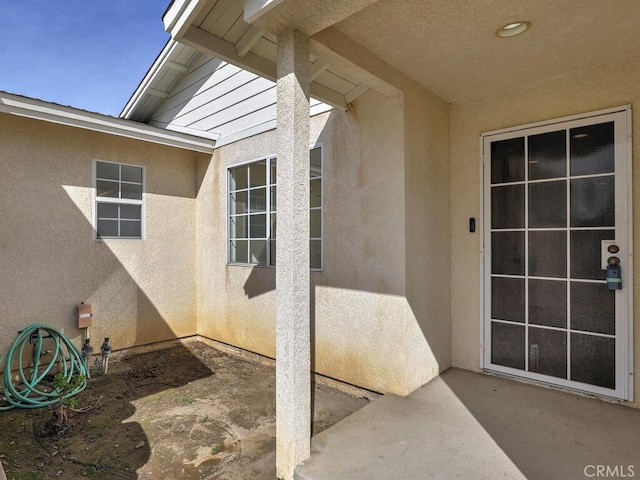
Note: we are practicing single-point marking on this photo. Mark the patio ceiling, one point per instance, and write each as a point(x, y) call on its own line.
point(449, 46)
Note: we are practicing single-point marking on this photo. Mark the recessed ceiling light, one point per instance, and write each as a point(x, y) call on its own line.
point(581, 135)
point(512, 29)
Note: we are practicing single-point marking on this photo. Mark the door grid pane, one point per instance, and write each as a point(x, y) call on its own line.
point(507, 345)
point(548, 155)
point(548, 352)
point(552, 204)
point(548, 204)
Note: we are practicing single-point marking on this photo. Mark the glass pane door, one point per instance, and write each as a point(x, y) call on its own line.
point(556, 196)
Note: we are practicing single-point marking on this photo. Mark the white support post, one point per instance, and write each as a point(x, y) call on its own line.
point(293, 365)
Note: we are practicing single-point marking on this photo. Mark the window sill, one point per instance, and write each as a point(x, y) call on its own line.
point(266, 267)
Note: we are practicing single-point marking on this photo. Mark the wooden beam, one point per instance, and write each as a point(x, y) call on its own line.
point(317, 68)
point(329, 96)
point(219, 48)
point(248, 40)
point(355, 92)
point(350, 57)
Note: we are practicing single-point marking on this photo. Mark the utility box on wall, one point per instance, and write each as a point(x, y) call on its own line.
point(84, 315)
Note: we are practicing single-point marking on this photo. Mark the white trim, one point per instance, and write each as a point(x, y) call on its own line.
point(268, 212)
point(629, 261)
point(51, 112)
point(192, 131)
point(624, 327)
point(179, 16)
point(554, 121)
point(480, 231)
point(118, 201)
point(249, 132)
point(322, 185)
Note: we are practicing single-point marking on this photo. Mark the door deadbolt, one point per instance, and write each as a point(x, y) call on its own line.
point(613, 249)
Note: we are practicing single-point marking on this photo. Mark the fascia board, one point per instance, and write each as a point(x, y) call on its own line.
point(179, 16)
point(40, 110)
point(157, 67)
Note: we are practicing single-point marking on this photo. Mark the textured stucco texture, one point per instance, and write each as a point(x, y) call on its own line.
point(380, 309)
point(293, 368)
point(141, 291)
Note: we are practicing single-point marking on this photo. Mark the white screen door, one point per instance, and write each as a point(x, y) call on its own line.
point(556, 196)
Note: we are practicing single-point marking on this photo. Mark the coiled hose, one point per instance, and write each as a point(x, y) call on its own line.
point(37, 390)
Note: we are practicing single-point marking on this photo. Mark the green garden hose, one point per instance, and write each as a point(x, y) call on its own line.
point(35, 389)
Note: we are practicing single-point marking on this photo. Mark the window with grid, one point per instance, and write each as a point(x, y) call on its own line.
point(253, 212)
point(119, 202)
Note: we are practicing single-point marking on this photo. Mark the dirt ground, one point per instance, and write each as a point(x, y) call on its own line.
point(190, 411)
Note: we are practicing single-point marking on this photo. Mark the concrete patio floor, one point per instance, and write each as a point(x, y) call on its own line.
point(465, 425)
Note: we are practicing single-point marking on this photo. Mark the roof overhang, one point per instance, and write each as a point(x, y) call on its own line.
point(450, 48)
point(51, 112)
point(222, 29)
point(169, 68)
point(147, 86)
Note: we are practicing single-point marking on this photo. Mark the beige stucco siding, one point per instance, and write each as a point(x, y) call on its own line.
point(584, 91)
point(370, 327)
point(141, 291)
point(427, 236)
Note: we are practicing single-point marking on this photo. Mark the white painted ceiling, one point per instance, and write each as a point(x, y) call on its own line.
point(450, 46)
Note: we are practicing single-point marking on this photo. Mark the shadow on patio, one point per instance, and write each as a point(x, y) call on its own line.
point(470, 426)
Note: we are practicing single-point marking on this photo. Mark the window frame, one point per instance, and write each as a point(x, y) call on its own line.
point(269, 182)
point(118, 201)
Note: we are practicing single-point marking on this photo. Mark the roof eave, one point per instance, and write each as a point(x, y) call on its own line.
point(51, 112)
point(141, 91)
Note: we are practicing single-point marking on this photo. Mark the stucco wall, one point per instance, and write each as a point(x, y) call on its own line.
point(369, 327)
point(585, 91)
point(141, 291)
point(428, 236)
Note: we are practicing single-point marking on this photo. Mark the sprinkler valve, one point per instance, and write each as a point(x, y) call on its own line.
point(106, 351)
point(87, 350)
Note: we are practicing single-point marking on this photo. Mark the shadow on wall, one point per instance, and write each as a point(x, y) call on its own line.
point(48, 258)
point(360, 249)
point(368, 232)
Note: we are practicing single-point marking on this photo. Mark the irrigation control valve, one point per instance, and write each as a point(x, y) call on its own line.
point(106, 351)
point(87, 350)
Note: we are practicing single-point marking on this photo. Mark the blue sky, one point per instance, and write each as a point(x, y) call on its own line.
point(89, 54)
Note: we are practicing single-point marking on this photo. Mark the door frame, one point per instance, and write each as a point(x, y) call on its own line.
point(624, 371)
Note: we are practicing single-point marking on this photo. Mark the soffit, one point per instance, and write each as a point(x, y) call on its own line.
point(171, 65)
point(450, 46)
point(218, 28)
